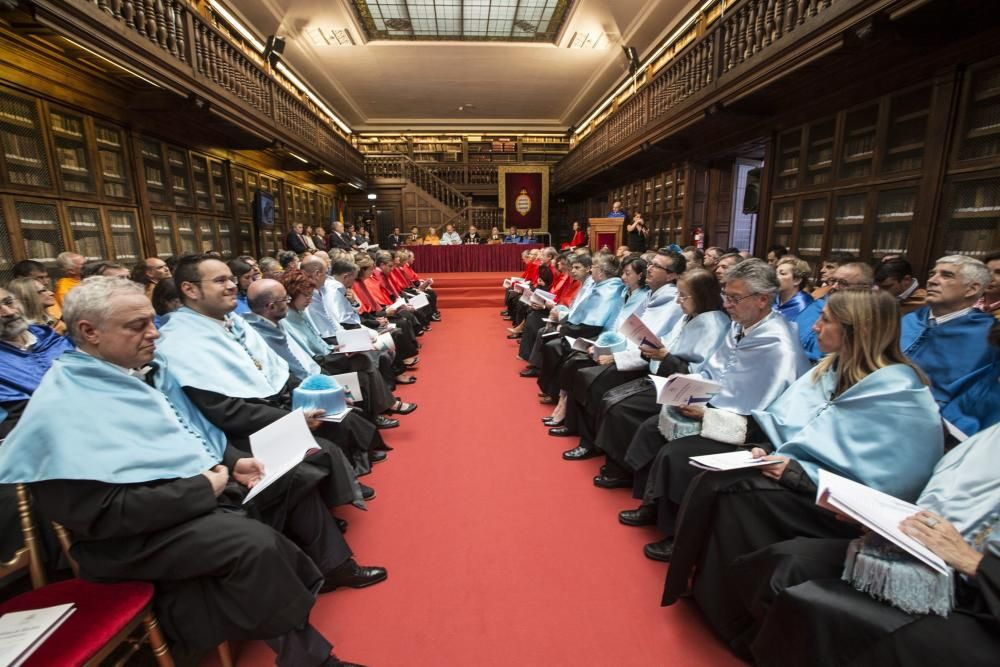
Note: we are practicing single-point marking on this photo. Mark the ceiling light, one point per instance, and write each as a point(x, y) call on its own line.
point(112, 62)
point(229, 18)
point(299, 158)
point(330, 37)
point(372, 196)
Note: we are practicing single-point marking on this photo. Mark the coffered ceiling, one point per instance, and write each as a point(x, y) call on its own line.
point(426, 85)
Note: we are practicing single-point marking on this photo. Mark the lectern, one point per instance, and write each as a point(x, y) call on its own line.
point(605, 232)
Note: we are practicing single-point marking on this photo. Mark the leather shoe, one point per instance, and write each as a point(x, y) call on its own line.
point(580, 453)
point(661, 551)
point(530, 373)
point(513, 336)
point(352, 575)
point(436, 317)
point(409, 380)
point(401, 408)
point(561, 432)
point(367, 492)
point(381, 421)
point(643, 515)
point(610, 482)
point(552, 423)
point(375, 456)
point(412, 362)
point(334, 661)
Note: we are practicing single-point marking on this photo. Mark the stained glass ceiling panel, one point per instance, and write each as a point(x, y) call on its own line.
point(463, 20)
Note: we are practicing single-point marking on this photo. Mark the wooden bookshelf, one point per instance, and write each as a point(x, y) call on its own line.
point(25, 163)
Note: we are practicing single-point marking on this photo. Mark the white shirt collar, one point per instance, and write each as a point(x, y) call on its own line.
point(909, 290)
point(938, 321)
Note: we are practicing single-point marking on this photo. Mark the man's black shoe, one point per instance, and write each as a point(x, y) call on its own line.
point(530, 373)
point(367, 492)
point(561, 432)
point(643, 515)
point(580, 453)
point(381, 421)
point(333, 661)
point(552, 423)
point(376, 456)
point(436, 317)
point(661, 551)
point(610, 482)
point(403, 408)
point(351, 575)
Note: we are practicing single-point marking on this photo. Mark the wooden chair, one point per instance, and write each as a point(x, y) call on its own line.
point(106, 615)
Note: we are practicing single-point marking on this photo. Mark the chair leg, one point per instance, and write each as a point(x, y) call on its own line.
point(156, 641)
point(225, 655)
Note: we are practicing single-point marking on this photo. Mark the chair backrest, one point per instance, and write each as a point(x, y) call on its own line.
point(29, 555)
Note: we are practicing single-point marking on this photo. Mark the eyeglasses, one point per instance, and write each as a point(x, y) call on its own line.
point(287, 299)
point(654, 265)
point(221, 281)
point(736, 299)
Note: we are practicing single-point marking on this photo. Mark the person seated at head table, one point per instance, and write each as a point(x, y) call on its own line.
point(323, 310)
point(432, 238)
point(871, 604)
point(70, 264)
point(895, 276)
point(26, 352)
point(620, 412)
point(415, 237)
point(864, 413)
point(758, 359)
point(245, 274)
point(515, 236)
point(269, 303)
point(793, 278)
point(36, 298)
point(149, 492)
point(660, 313)
point(450, 236)
point(851, 275)
point(578, 239)
point(592, 313)
point(241, 385)
point(495, 237)
point(948, 338)
point(166, 299)
point(990, 301)
point(472, 236)
point(826, 270)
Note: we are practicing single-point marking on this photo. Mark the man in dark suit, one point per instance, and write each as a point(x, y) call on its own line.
point(472, 236)
point(396, 239)
point(294, 240)
point(337, 238)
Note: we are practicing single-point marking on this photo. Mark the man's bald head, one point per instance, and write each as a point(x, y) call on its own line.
point(268, 299)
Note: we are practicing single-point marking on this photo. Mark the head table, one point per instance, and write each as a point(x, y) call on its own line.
point(465, 258)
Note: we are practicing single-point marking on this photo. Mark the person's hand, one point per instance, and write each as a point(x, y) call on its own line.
point(313, 418)
point(773, 471)
point(692, 411)
point(248, 472)
point(391, 312)
point(940, 536)
point(217, 476)
point(535, 306)
point(658, 353)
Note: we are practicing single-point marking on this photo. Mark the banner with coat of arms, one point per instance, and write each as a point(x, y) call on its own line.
point(524, 196)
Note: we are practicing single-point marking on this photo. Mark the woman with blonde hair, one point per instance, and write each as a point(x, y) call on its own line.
point(864, 412)
point(36, 298)
point(793, 278)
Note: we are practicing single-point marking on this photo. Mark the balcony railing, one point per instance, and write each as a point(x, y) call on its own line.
point(171, 43)
point(744, 35)
point(402, 168)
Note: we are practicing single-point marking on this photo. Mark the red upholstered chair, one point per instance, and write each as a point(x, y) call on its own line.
point(106, 615)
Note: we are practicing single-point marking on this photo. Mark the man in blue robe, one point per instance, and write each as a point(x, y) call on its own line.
point(26, 353)
point(849, 275)
point(948, 338)
point(153, 492)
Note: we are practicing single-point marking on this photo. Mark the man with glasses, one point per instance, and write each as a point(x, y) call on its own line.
point(948, 338)
point(269, 307)
point(26, 353)
point(241, 385)
point(757, 361)
point(852, 275)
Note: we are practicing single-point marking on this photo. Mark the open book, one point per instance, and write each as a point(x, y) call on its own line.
point(419, 301)
point(280, 446)
point(636, 331)
point(22, 632)
point(541, 298)
point(729, 461)
point(876, 510)
point(354, 340)
point(678, 390)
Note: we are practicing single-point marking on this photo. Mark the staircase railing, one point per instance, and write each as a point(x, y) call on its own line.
point(403, 168)
point(483, 217)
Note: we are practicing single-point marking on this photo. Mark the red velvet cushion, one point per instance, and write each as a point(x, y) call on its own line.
point(102, 610)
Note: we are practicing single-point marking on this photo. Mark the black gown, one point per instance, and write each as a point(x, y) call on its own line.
point(804, 614)
point(219, 574)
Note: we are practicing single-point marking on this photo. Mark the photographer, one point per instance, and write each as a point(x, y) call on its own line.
point(638, 233)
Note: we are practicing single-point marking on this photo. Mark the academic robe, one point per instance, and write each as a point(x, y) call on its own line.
point(241, 386)
point(791, 309)
point(882, 432)
point(22, 370)
point(950, 353)
point(579, 239)
point(131, 492)
point(805, 321)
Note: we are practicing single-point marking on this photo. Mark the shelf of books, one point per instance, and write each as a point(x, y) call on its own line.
point(492, 149)
point(187, 239)
point(69, 138)
point(894, 213)
point(908, 116)
point(153, 171)
point(858, 154)
point(789, 156)
point(972, 224)
point(819, 152)
point(980, 136)
point(220, 186)
point(40, 230)
point(111, 159)
point(178, 170)
point(199, 179)
point(812, 228)
point(87, 232)
point(124, 237)
point(206, 233)
point(782, 222)
point(163, 235)
point(6, 251)
point(25, 163)
point(543, 148)
point(848, 223)
point(437, 148)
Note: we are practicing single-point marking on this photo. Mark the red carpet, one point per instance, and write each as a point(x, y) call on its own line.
point(469, 290)
point(499, 552)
